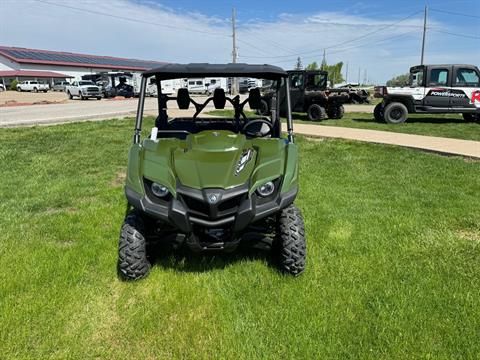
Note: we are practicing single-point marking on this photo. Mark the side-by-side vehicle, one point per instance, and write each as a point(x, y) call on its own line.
point(210, 183)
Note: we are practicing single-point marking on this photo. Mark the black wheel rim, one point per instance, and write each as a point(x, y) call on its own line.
point(396, 114)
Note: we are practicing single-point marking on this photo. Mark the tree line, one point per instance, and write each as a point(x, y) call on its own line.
point(335, 75)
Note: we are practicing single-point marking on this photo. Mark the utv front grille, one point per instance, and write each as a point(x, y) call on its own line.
point(198, 207)
point(231, 205)
point(198, 202)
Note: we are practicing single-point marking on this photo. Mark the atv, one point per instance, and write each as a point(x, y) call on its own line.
point(308, 94)
point(210, 183)
point(432, 89)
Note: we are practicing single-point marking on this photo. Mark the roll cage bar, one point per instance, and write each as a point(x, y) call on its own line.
point(229, 70)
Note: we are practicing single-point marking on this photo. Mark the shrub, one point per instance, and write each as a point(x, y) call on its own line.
point(13, 85)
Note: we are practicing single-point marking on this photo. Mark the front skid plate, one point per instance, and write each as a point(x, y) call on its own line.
point(176, 213)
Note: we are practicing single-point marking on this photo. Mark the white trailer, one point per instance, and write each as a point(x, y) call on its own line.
point(213, 83)
point(169, 87)
point(196, 86)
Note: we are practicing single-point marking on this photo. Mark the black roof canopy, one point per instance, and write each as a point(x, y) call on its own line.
point(177, 71)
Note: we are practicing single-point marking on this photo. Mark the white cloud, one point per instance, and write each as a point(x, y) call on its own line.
point(185, 36)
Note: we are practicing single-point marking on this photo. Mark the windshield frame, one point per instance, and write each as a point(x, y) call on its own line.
point(235, 100)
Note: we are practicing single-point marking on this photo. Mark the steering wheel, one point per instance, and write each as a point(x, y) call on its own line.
point(257, 133)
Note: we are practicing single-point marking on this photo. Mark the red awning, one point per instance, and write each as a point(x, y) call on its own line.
point(33, 73)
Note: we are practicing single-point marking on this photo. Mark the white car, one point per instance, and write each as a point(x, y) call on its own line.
point(2, 87)
point(34, 86)
point(84, 89)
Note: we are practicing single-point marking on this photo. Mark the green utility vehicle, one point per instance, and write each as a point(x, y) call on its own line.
point(309, 94)
point(209, 183)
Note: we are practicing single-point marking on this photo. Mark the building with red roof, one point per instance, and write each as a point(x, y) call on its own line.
point(50, 66)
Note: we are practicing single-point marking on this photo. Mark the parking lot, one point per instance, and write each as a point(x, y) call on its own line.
point(25, 108)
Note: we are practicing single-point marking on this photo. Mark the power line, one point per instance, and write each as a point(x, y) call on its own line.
point(135, 20)
point(350, 40)
point(256, 48)
point(344, 49)
point(456, 34)
point(348, 24)
point(455, 13)
point(374, 32)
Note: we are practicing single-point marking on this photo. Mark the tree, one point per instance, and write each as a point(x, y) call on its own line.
point(298, 65)
point(334, 71)
point(401, 80)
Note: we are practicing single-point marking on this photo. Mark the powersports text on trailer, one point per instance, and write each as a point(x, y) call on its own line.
point(433, 89)
point(208, 182)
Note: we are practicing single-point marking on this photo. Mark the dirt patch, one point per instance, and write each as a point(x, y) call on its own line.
point(117, 98)
point(53, 211)
point(471, 235)
point(65, 244)
point(471, 160)
point(15, 98)
point(43, 102)
point(119, 179)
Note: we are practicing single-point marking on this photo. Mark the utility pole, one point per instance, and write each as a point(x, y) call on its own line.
point(324, 61)
point(424, 34)
point(359, 72)
point(234, 50)
point(346, 74)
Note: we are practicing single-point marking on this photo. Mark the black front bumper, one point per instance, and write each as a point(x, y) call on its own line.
point(233, 208)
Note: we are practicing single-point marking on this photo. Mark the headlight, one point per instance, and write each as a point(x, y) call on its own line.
point(159, 190)
point(266, 189)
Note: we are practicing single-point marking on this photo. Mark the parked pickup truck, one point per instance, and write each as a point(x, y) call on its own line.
point(432, 89)
point(84, 89)
point(60, 86)
point(34, 86)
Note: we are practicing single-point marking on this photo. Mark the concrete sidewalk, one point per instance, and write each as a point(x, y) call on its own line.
point(430, 143)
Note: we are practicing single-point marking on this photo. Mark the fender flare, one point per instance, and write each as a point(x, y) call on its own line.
point(406, 100)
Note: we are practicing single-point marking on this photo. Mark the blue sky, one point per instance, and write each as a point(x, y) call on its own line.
point(358, 32)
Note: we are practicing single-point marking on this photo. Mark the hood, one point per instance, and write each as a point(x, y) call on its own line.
point(214, 159)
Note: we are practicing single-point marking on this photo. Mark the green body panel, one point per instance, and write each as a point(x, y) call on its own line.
point(290, 179)
point(209, 159)
point(134, 181)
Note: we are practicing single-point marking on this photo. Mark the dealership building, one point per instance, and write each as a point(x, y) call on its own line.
point(52, 66)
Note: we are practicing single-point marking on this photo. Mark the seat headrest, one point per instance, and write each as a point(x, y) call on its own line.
point(219, 98)
point(254, 99)
point(183, 99)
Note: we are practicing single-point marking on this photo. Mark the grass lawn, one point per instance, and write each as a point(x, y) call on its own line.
point(444, 125)
point(393, 263)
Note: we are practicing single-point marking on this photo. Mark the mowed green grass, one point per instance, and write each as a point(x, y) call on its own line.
point(443, 125)
point(393, 260)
